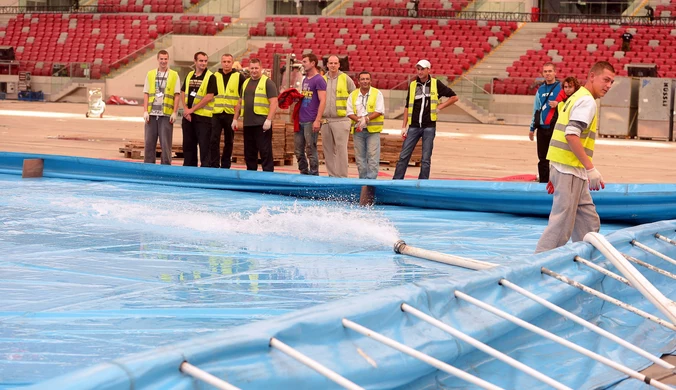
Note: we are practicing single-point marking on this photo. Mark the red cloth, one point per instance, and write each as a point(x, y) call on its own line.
point(561, 97)
point(286, 99)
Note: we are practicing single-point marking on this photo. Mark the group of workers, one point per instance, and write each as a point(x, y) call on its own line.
point(330, 104)
point(565, 123)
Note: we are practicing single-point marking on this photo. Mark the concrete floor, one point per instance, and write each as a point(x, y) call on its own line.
point(463, 151)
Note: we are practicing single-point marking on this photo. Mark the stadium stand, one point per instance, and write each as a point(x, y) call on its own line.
point(381, 46)
point(102, 40)
point(402, 7)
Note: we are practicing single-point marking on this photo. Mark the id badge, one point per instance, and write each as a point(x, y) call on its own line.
point(193, 93)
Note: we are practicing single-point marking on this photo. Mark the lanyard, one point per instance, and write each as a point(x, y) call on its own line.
point(160, 86)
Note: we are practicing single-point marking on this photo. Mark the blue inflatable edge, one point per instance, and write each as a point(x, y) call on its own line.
point(632, 203)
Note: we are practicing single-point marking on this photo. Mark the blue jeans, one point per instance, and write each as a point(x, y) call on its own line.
point(414, 134)
point(305, 142)
point(367, 153)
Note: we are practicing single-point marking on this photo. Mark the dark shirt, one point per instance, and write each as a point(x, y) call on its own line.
point(424, 89)
point(627, 37)
point(195, 83)
point(226, 79)
point(251, 118)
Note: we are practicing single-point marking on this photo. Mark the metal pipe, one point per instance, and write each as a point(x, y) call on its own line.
point(587, 324)
point(205, 377)
point(401, 248)
point(436, 363)
point(608, 298)
point(601, 359)
point(665, 305)
point(650, 266)
point(602, 270)
point(653, 252)
point(483, 347)
point(665, 239)
point(330, 374)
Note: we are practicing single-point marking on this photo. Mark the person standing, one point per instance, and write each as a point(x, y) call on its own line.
point(229, 84)
point(336, 126)
point(541, 123)
point(366, 108)
point(422, 105)
point(257, 106)
point(197, 95)
point(161, 93)
point(573, 173)
point(311, 111)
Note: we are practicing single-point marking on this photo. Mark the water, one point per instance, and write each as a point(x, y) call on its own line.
point(93, 271)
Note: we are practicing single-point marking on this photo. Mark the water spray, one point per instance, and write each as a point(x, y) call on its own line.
point(401, 248)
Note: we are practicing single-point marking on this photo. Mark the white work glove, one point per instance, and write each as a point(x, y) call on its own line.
point(595, 179)
point(362, 123)
point(404, 132)
point(172, 117)
point(146, 116)
point(233, 126)
point(267, 125)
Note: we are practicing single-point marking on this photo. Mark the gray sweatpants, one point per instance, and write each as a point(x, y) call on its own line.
point(158, 126)
point(335, 135)
point(573, 212)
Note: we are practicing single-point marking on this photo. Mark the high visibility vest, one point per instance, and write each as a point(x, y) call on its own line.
point(341, 94)
point(375, 125)
point(261, 102)
point(227, 97)
point(559, 150)
point(434, 100)
point(201, 93)
point(168, 101)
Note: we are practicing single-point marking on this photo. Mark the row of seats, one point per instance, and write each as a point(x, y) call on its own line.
point(105, 41)
point(404, 8)
point(158, 6)
point(386, 46)
point(574, 48)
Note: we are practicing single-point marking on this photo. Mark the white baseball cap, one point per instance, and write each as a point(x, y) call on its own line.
point(424, 64)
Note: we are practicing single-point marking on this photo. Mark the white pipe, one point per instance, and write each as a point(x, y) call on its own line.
point(665, 239)
point(617, 366)
point(438, 364)
point(205, 377)
point(587, 324)
point(602, 270)
point(483, 347)
point(330, 374)
point(650, 266)
point(653, 252)
point(663, 304)
point(401, 247)
point(609, 299)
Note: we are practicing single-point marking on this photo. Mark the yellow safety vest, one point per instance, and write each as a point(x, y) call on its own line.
point(434, 100)
point(341, 94)
point(227, 97)
point(201, 93)
point(375, 125)
point(168, 101)
point(261, 102)
point(559, 150)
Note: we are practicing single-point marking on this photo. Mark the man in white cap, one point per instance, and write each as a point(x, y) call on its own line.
point(422, 105)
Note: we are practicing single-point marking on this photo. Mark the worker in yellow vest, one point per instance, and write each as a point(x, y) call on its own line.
point(197, 95)
point(229, 82)
point(335, 124)
point(572, 173)
point(161, 93)
point(366, 108)
point(422, 105)
point(257, 107)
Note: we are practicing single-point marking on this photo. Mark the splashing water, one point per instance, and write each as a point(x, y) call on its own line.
point(315, 223)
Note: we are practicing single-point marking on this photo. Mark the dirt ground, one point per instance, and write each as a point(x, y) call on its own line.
point(463, 151)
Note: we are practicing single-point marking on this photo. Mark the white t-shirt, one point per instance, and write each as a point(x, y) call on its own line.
point(160, 87)
point(584, 111)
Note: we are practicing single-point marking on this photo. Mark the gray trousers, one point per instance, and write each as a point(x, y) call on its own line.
point(158, 126)
point(573, 212)
point(335, 135)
